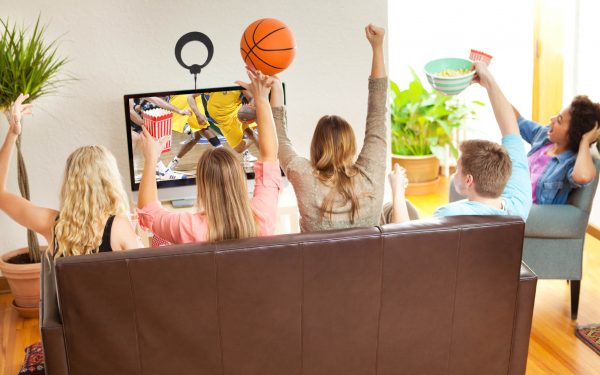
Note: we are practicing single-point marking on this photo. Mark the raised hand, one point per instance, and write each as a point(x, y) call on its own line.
point(375, 35)
point(591, 136)
point(16, 112)
point(151, 147)
point(259, 85)
point(398, 180)
point(482, 75)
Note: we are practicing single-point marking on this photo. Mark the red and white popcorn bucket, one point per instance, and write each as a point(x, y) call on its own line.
point(476, 55)
point(158, 241)
point(158, 123)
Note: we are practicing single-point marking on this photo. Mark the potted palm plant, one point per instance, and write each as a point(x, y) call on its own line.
point(423, 122)
point(28, 64)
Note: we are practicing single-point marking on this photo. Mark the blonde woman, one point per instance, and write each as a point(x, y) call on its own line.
point(335, 189)
point(224, 210)
point(93, 204)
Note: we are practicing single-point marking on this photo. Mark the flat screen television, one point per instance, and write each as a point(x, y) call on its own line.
point(192, 121)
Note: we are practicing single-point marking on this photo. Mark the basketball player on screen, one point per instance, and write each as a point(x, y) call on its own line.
point(223, 107)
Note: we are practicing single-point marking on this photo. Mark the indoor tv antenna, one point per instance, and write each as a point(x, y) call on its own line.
point(194, 36)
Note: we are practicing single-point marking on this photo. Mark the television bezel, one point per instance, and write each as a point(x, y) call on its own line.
point(171, 183)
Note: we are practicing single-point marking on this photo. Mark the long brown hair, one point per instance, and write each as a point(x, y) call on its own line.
point(222, 192)
point(332, 153)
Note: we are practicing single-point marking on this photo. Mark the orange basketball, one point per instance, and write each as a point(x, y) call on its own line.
point(268, 45)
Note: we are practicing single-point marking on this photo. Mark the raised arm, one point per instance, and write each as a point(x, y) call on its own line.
point(287, 154)
point(374, 148)
point(19, 209)
point(517, 192)
point(584, 170)
point(259, 87)
point(516, 112)
point(151, 147)
point(375, 37)
point(398, 182)
point(503, 110)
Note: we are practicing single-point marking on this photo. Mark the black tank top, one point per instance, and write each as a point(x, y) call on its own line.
point(105, 244)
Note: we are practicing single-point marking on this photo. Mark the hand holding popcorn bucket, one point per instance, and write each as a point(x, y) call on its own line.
point(476, 55)
point(158, 123)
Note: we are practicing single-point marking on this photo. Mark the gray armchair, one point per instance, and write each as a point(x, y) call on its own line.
point(554, 238)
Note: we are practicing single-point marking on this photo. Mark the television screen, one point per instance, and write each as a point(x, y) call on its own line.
point(190, 122)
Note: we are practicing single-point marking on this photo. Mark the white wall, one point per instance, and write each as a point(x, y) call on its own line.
point(425, 30)
point(123, 47)
point(585, 79)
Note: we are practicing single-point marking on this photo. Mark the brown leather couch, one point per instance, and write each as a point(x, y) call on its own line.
point(445, 296)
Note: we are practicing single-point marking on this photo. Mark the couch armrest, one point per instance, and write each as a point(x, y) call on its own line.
point(522, 322)
point(53, 340)
point(556, 221)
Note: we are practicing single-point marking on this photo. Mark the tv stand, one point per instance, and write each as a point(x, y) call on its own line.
point(183, 202)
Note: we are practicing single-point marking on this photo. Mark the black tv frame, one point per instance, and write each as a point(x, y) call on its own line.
point(172, 183)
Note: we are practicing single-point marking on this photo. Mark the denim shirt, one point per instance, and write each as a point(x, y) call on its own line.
point(556, 182)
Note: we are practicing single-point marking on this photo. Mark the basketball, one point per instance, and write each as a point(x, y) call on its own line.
point(268, 45)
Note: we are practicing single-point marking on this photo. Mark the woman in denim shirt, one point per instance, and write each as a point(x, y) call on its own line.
point(560, 158)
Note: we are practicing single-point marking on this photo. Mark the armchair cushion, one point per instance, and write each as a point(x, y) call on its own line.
point(556, 221)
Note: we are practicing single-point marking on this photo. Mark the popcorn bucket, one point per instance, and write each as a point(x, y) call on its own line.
point(480, 56)
point(158, 242)
point(158, 123)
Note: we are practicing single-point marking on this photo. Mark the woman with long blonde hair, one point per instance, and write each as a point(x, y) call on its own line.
point(224, 210)
point(93, 204)
point(335, 188)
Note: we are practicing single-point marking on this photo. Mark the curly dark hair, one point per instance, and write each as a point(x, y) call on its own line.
point(585, 114)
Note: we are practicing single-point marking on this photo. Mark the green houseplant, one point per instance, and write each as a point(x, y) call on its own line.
point(423, 122)
point(28, 64)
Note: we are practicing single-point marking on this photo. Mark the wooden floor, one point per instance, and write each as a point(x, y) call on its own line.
point(553, 349)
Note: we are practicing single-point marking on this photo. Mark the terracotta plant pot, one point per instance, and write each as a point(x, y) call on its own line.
point(23, 279)
point(423, 173)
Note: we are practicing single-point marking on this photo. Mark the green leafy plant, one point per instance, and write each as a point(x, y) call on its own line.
point(423, 120)
point(30, 65)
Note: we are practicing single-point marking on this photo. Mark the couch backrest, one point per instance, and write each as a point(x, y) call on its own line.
point(427, 297)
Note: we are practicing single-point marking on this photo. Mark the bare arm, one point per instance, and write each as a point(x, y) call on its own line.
point(375, 37)
point(122, 236)
point(398, 183)
point(19, 209)
point(584, 170)
point(516, 112)
point(166, 105)
point(194, 106)
point(152, 148)
point(259, 87)
point(133, 115)
point(503, 110)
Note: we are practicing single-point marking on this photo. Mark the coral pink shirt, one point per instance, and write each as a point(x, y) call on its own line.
point(187, 227)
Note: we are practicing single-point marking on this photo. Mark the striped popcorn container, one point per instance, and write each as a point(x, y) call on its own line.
point(158, 123)
point(158, 241)
point(476, 55)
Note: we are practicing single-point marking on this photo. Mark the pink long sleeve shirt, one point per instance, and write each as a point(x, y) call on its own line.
point(188, 227)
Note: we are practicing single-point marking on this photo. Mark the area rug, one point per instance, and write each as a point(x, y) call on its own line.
point(590, 335)
point(34, 360)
